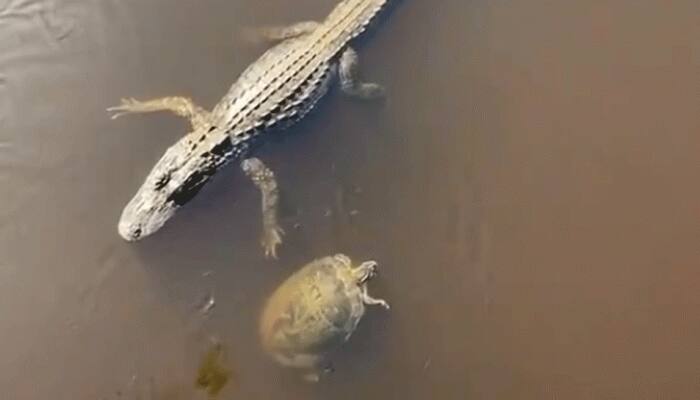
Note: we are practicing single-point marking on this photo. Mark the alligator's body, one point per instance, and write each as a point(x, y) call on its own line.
point(278, 89)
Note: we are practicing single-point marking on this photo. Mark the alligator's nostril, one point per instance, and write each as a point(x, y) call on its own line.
point(137, 233)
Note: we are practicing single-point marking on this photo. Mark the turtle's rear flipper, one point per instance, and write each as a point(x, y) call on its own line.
point(312, 377)
point(315, 376)
point(328, 368)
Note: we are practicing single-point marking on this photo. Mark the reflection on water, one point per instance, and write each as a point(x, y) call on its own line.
point(529, 189)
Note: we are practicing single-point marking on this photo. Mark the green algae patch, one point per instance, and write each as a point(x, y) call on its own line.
point(213, 375)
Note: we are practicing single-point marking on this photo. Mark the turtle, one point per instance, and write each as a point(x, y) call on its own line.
point(315, 311)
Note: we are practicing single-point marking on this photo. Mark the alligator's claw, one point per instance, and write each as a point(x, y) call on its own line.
point(270, 240)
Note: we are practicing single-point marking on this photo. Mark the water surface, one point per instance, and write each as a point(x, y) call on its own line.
point(529, 189)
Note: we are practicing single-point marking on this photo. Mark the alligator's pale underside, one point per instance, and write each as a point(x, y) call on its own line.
point(278, 89)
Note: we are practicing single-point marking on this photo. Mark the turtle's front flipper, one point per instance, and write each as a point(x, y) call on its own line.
point(349, 82)
point(178, 105)
point(264, 180)
point(279, 33)
point(369, 300)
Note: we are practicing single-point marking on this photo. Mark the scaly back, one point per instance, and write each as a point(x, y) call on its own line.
point(349, 19)
point(281, 71)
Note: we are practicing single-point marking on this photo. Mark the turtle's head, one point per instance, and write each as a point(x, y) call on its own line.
point(366, 271)
point(177, 178)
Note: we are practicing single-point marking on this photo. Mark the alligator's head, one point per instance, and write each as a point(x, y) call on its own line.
point(177, 178)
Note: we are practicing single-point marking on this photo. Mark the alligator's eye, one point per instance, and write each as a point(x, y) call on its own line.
point(162, 181)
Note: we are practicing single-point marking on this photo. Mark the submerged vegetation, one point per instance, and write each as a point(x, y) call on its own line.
point(213, 375)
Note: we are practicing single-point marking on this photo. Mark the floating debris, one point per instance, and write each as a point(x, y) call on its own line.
point(207, 304)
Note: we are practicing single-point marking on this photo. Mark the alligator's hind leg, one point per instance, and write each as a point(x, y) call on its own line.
point(264, 180)
point(279, 33)
point(349, 82)
point(289, 32)
point(181, 106)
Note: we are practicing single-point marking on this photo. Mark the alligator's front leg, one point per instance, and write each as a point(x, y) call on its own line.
point(349, 82)
point(181, 106)
point(264, 180)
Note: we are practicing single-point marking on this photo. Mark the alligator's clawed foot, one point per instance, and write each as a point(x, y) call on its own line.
point(264, 179)
point(270, 240)
point(128, 106)
point(351, 84)
point(366, 91)
point(252, 36)
point(179, 105)
point(278, 33)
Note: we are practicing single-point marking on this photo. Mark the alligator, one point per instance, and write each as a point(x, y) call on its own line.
point(274, 92)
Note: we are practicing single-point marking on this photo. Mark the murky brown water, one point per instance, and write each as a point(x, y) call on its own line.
point(530, 189)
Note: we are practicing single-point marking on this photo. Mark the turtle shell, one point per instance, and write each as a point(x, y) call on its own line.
point(314, 310)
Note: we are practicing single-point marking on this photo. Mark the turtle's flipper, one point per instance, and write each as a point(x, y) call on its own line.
point(369, 300)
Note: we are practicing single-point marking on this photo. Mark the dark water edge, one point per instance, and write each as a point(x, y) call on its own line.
point(529, 189)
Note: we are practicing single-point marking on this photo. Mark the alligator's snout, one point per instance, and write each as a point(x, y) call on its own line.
point(130, 228)
point(144, 216)
point(129, 233)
